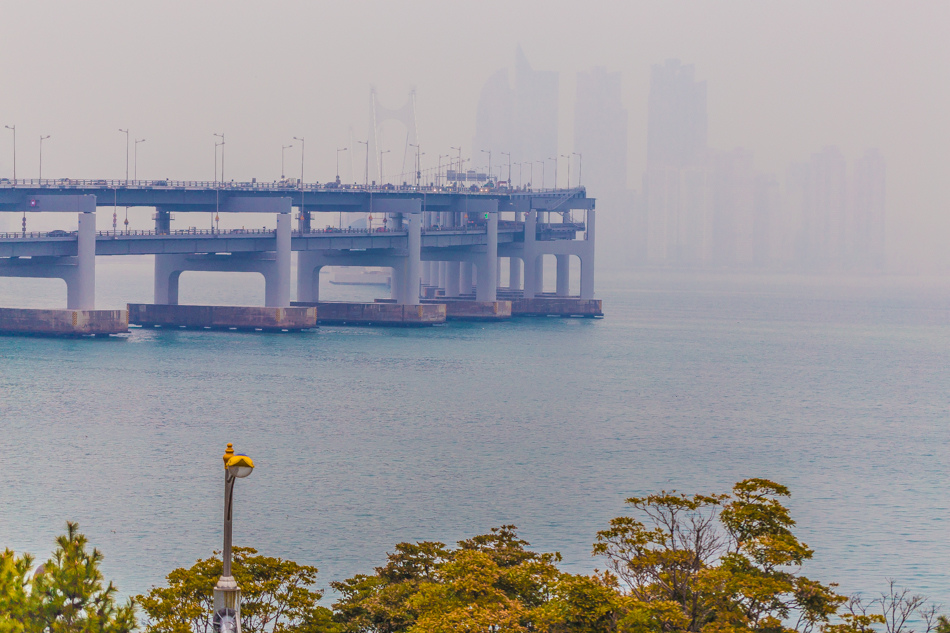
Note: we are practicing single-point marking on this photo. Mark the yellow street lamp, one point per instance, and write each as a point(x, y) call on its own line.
point(227, 594)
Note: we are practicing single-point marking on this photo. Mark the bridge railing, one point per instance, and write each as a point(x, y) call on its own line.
point(289, 186)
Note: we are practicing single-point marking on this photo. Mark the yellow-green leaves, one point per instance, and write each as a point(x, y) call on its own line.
point(276, 596)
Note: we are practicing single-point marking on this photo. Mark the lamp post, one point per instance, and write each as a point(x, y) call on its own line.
point(459, 149)
point(580, 166)
point(338, 150)
point(13, 127)
point(227, 594)
point(488, 151)
point(418, 162)
point(216, 146)
point(568, 157)
point(135, 173)
point(381, 152)
point(366, 169)
point(42, 138)
point(126, 132)
point(303, 151)
point(283, 149)
point(508, 154)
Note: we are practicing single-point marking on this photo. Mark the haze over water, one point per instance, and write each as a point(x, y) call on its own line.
point(366, 437)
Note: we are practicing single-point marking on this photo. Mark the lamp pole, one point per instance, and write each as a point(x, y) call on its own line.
point(227, 594)
point(381, 152)
point(338, 150)
point(283, 149)
point(135, 174)
point(216, 146)
point(42, 138)
point(568, 157)
point(580, 166)
point(418, 163)
point(366, 169)
point(126, 132)
point(488, 151)
point(459, 149)
point(13, 127)
point(508, 154)
point(303, 151)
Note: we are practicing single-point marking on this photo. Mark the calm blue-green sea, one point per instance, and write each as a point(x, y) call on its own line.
point(839, 388)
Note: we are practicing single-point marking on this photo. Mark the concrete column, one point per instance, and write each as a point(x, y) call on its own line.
point(442, 275)
point(163, 222)
point(452, 281)
point(467, 272)
point(277, 286)
point(587, 260)
point(498, 273)
point(426, 273)
point(413, 260)
point(539, 274)
point(514, 273)
point(167, 273)
point(81, 293)
point(563, 275)
point(308, 276)
point(487, 285)
point(530, 254)
point(397, 283)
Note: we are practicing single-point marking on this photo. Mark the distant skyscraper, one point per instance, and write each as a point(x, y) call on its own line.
point(600, 131)
point(868, 216)
point(519, 117)
point(676, 122)
point(818, 210)
point(676, 185)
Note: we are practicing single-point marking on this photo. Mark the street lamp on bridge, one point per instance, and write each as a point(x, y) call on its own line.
point(126, 132)
point(366, 171)
point(135, 174)
point(568, 157)
point(283, 150)
point(13, 128)
point(381, 152)
point(488, 151)
point(580, 166)
point(216, 146)
point(42, 138)
point(227, 594)
point(338, 150)
point(508, 154)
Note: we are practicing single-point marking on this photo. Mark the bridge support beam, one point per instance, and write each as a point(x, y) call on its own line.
point(563, 275)
point(487, 263)
point(273, 265)
point(587, 259)
point(78, 272)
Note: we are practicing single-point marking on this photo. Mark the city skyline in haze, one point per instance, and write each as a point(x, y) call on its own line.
point(784, 81)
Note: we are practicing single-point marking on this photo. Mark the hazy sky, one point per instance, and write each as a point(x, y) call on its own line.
point(785, 79)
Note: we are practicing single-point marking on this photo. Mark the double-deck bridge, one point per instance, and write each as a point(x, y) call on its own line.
point(437, 241)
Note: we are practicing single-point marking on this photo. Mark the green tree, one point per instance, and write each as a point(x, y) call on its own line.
point(489, 580)
point(65, 596)
point(720, 563)
point(14, 590)
point(276, 596)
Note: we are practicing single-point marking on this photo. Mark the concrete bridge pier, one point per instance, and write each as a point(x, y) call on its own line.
point(453, 285)
point(587, 259)
point(273, 265)
point(466, 282)
point(563, 282)
point(486, 286)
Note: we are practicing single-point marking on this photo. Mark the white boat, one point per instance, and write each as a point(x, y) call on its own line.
point(360, 276)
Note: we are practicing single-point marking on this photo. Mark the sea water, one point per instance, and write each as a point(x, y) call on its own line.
point(366, 437)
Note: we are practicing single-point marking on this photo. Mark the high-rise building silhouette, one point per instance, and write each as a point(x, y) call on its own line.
point(867, 243)
point(817, 211)
point(519, 115)
point(600, 130)
point(676, 120)
point(676, 185)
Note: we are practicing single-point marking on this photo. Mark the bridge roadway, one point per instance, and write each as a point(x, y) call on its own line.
point(439, 238)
